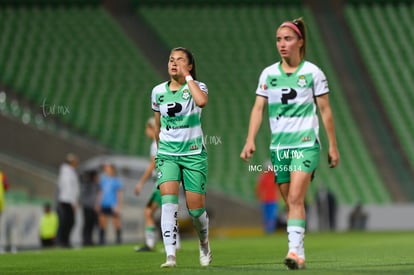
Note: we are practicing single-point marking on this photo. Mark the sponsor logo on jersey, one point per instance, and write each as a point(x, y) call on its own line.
point(273, 82)
point(194, 147)
point(168, 127)
point(326, 83)
point(302, 81)
point(174, 119)
point(306, 139)
point(307, 163)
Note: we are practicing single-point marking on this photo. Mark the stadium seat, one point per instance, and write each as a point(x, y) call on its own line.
point(381, 29)
point(77, 56)
point(225, 41)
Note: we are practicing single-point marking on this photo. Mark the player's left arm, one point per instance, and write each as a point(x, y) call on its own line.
point(198, 90)
point(327, 118)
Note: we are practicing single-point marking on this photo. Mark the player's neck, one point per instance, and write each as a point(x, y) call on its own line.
point(289, 65)
point(176, 83)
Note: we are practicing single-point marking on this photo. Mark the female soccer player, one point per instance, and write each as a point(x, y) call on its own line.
point(181, 154)
point(155, 199)
point(293, 89)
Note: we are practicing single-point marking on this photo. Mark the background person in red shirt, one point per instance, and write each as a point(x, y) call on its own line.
point(267, 192)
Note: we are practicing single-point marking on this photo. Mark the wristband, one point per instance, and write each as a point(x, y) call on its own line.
point(188, 77)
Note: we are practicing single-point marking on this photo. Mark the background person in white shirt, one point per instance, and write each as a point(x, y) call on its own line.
point(68, 195)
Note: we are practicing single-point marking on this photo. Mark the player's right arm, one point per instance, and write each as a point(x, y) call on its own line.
point(147, 174)
point(157, 116)
point(256, 116)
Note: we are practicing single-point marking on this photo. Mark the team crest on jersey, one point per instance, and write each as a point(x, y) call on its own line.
point(302, 81)
point(186, 94)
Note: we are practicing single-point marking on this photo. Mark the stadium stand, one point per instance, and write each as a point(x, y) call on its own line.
point(383, 33)
point(230, 61)
point(76, 56)
point(77, 59)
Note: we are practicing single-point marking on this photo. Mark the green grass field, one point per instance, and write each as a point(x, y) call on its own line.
point(327, 253)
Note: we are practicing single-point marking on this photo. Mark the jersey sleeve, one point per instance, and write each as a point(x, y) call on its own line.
point(154, 105)
point(202, 86)
point(320, 86)
point(261, 89)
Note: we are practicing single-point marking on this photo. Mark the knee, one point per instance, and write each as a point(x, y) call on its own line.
point(195, 213)
point(295, 201)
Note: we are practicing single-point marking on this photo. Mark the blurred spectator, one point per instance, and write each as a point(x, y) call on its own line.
point(4, 187)
point(48, 226)
point(326, 206)
point(358, 218)
point(89, 194)
point(267, 193)
point(109, 202)
point(68, 195)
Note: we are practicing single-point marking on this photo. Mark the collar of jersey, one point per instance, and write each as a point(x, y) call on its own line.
point(294, 73)
point(167, 86)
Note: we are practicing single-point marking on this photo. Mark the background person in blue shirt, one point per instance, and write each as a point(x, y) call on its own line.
point(109, 202)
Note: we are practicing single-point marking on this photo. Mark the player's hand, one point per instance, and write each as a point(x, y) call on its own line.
point(333, 157)
point(137, 189)
point(248, 150)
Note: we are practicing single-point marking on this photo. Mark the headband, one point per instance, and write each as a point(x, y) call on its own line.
point(293, 27)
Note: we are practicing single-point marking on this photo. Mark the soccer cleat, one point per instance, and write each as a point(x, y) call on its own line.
point(144, 248)
point(205, 254)
point(293, 261)
point(171, 262)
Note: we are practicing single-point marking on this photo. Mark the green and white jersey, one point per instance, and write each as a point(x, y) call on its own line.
point(291, 104)
point(180, 132)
